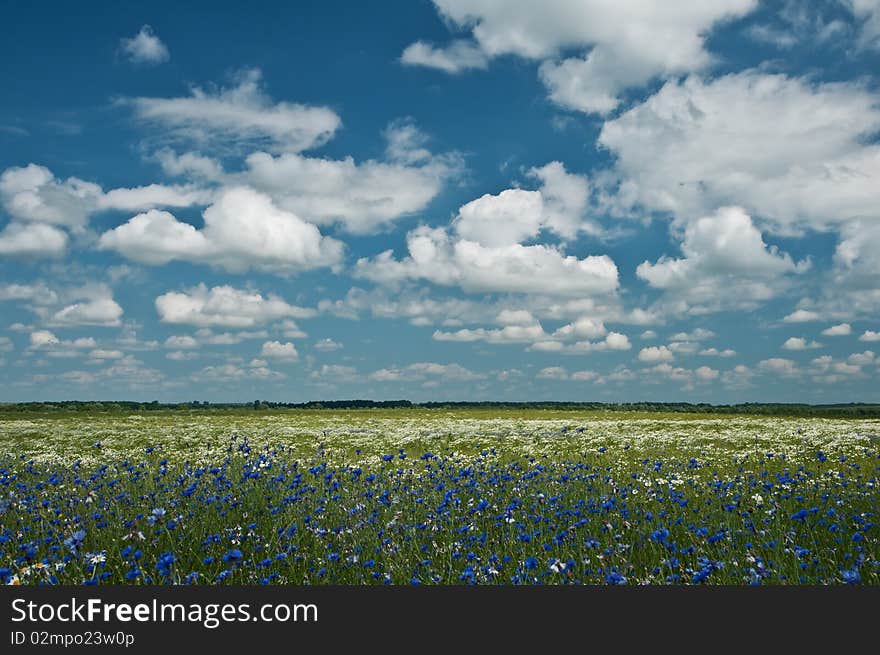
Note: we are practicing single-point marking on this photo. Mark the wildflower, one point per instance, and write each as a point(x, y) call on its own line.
point(233, 555)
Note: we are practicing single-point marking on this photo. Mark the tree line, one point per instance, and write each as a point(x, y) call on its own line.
point(851, 410)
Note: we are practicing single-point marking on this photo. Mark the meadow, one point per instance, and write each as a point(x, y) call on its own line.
point(417, 496)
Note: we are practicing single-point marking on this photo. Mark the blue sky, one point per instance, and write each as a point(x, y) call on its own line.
point(459, 199)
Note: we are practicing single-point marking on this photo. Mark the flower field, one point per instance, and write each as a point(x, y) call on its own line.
point(436, 497)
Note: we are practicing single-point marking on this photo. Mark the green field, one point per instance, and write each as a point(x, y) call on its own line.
point(418, 496)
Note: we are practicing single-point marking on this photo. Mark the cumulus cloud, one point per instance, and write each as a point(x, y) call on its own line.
point(32, 240)
point(421, 371)
point(779, 366)
point(181, 342)
point(854, 285)
point(655, 354)
point(230, 373)
point(726, 264)
point(697, 334)
point(870, 335)
point(517, 215)
point(802, 316)
point(794, 152)
point(33, 193)
point(145, 47)
point(284, 352)
point(438, 257)
point(98, 311)
point(360, 196)
point(507, 334)
point(335, 372)
point(800, 343)
point(237, 117)
point(839, 330)
point(612, 341)
point(552, 373)
point(243, 230)
point(94, 305)
point(715, 352)
point(624, 44)
point(327, 345)
point(224, 306)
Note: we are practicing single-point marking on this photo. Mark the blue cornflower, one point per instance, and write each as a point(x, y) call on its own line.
point(164, 563)
point(613, 577)
point(233, 555)
point(74, 541)
point(851, 576)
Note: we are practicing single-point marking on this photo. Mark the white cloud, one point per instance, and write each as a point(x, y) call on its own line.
point(145, 47)
point(42, 338)
point(862, 359)
point(103, 353)
point(96, 307)
point(35, 240)
point(181, 355)
point(459, 55)
point(626, 43)
point(796, 153)
point(291, 330)
point(868, 12)
point(612, 341)
point(507, 334)
point(327, 345)
point(191, 164)
point(705, 373)
point(739, 377)
point(361, 196)
point(517, 215)
point(153, 195)
point(839, 330)
point(285, 352)
point(335, 372)
point(802, 316)
point(870, 335)
point(243, 230)
point(443, 260)
point(32, 193)
point(827, 370)
point(683, 347)
point(698, 334)
point(583, 328)
point(224, 306)
point(854, 287)
point(655, 354)
point(515, 317)
point(726, 264)
point(779, 366)
point(206, 336)
point(234, 374)
point(181, 342)
point(512, 216)
point(37, 293)
point(425, 371)
point(799, 343)
point(552, 373)
point(240, 116)
point(714, 352)
point(647, 335)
